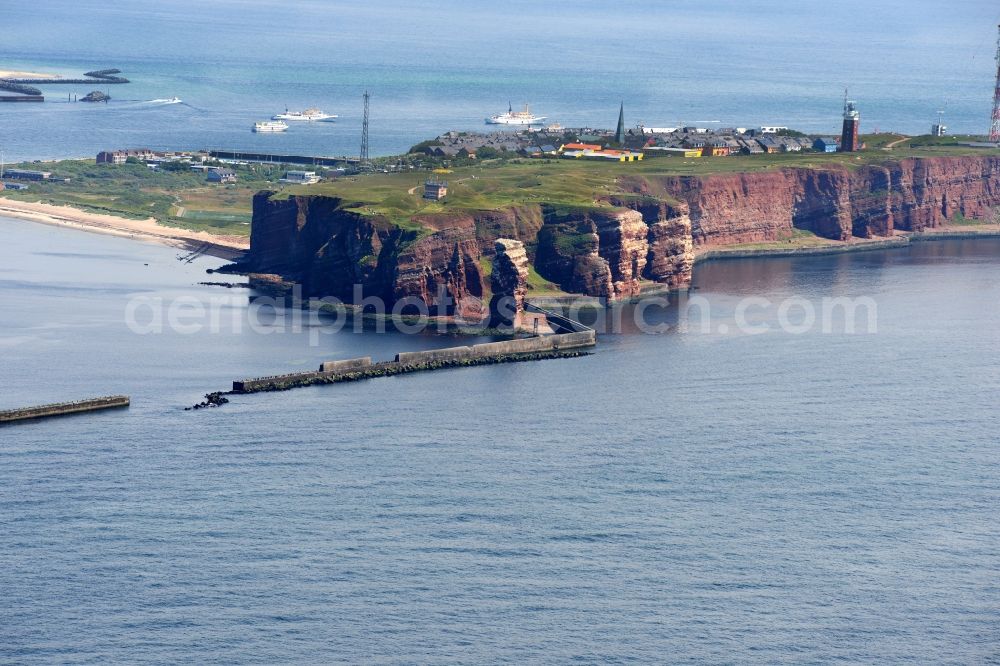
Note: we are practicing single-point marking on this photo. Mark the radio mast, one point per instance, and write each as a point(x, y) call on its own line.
point(363, 159)
point(995, 127)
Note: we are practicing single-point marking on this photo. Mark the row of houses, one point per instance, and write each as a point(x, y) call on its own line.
point(214, 173)
point(121, 156)
point(598, 152)
point(27, 174)
point(688, 142)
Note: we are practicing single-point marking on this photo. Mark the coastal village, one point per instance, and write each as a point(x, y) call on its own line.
point(552, 141)
point(630, 145)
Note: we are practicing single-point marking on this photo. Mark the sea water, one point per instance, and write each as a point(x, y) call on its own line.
point(448, 64)
point(696, 496)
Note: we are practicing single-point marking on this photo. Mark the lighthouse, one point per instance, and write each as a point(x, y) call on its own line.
point(849, 142)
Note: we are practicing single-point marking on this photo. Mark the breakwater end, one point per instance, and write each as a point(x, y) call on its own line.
point(64, 408)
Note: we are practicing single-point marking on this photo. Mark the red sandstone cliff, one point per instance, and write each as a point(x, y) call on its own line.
point(836, 202)
point(647, 233)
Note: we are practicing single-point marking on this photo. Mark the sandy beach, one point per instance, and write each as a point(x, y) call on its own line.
point(13, 74)
point(226, 247)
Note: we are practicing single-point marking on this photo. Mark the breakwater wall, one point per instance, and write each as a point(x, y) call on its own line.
point(63, 408)
point(21, 98)
point(97, 76)
point(505, 351)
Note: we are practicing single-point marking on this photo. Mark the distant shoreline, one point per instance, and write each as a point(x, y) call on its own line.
point(225, 247)
point(14, 74)
point(867, 245)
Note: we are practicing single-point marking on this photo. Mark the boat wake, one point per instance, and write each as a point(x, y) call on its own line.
point(164, 102)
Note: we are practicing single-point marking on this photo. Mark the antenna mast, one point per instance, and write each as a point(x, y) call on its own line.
point(363, 159)
point(995, 127)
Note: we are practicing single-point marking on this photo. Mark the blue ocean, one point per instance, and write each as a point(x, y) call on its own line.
point(702, 495)
point(447, 65)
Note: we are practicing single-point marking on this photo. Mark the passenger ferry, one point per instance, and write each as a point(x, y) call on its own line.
point(309, 115)
point(270, 126)
point(513, 117)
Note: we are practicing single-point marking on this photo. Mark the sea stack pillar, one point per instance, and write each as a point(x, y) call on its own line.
point(509, 283)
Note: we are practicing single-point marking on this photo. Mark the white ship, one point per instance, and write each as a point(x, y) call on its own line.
point(270, 126)
point(308, 115)
point(513, 117)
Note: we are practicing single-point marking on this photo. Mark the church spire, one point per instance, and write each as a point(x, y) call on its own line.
point(620, 132)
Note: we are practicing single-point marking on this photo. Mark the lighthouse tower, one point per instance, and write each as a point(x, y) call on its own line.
point(849, 142)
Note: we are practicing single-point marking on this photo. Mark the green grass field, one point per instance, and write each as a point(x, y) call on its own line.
point(185, 199)
point(582, 183)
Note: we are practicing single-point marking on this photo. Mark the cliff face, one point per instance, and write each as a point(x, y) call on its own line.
point(313, 240)
point(647, 233)
point(837, 203)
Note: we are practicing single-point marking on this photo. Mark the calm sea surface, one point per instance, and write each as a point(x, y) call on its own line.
point(686, 497)
point(448, 64)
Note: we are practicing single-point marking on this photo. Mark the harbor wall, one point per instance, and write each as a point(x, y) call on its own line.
point(62, 408)
point(549, 346)
point(344, 366)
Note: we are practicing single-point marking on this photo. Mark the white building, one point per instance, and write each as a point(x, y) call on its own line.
point(300, 177)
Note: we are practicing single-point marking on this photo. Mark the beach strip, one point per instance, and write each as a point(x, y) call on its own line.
point(148, 229)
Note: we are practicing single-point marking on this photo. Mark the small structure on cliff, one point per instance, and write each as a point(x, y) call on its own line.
point(435, 190)
point(509, 283)
point(217, 175)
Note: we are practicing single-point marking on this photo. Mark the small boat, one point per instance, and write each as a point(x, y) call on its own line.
point(513, 117)
point(309, 115)
point(270, 126)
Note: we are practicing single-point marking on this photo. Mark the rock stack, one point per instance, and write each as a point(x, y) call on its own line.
point(509, 283)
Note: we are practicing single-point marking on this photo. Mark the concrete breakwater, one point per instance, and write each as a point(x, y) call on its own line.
point(506, 351)
point(97, 76)
point(63, 408)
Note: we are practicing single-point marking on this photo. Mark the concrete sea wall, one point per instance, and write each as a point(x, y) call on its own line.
point(62, 408)
point(506, 351)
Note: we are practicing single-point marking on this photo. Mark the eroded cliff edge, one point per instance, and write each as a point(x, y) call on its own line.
point(645, 233)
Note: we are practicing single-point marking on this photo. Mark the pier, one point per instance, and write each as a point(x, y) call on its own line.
point(64, 408)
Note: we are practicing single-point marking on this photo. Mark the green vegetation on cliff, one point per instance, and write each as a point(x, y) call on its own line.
point(183, 198)
point(493, 185)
